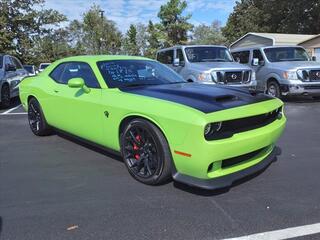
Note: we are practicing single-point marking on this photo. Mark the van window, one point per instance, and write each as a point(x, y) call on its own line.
point(165, 57)
point(257, 54)
point(241, 57)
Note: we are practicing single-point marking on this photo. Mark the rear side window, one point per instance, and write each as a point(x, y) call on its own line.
point(57, 72)
point(165, 57)
point(1, 61)
point(257, 54)
point(241, 57)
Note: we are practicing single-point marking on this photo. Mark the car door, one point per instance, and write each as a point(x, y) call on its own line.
point(259, 69)
point(10, 75)
point(74, 110)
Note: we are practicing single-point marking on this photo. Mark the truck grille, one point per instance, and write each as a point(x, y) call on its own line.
point(311, 75)
point(233, 77)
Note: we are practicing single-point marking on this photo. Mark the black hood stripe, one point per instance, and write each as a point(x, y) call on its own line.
point(206, 98)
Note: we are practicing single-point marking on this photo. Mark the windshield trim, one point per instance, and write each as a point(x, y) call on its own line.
point(220, 47)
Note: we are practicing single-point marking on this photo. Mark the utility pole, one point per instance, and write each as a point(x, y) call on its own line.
point(100, 40)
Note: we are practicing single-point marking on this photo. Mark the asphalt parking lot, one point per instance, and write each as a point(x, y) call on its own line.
point(57, 188)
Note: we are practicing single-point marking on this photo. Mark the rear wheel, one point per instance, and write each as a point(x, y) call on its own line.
point(37, 121)
point(146, 152)
point(273, 89)
point(5, 96)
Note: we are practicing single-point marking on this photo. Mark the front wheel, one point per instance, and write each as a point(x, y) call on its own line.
point(273, 89)
point(5, 96)
point(146, 152)
point(37, 121)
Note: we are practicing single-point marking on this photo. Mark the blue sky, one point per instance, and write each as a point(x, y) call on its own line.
point(125, 12)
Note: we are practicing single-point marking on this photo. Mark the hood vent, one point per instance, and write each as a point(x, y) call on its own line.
point(226, 98)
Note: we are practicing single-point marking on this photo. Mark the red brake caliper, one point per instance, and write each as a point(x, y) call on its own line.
point(135, 147)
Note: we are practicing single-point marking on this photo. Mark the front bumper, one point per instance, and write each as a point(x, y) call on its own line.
point(306, 89)
point(227, 180)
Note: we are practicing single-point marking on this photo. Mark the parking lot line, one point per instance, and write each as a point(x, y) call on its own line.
point(283, 233)
point(10, 110)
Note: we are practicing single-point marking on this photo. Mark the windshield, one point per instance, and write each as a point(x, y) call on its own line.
point(29, 68)
point(208, 54)
point(1, 61)
point(284, 54)
point(43, 66)
point(127, 73)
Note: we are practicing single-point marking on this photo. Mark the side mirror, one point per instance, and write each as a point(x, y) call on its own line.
point(78, 83)
point(176, 62)
point(314, 58)
point(255, 62)
point(10, 68)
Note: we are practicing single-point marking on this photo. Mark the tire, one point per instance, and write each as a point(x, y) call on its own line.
point(5, 96)
point(273, 89)
point(37, 121)
point(146, 152)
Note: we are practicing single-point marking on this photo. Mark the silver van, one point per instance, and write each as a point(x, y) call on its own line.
point(282, 70)
point(207, 64)
point(11, 73)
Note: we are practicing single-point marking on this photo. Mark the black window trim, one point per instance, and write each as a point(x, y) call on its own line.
point(67, 62)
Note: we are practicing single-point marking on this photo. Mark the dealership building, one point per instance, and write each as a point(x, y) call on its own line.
point(310, 42)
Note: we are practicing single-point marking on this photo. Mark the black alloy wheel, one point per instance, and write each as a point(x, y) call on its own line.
point(37, 121)
point(146, 152)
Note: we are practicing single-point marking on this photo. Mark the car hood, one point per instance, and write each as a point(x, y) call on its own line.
point(206, 98)
point(296, 65)
point(225, 66)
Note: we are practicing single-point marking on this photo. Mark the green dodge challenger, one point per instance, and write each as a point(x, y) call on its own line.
point(203, 135)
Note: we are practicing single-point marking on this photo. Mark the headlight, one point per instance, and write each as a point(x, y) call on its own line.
point(212, 128)
point(204, 77)
point(290, 75)
point(253, 76)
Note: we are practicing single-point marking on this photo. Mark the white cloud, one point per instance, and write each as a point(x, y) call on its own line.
point(126, 12)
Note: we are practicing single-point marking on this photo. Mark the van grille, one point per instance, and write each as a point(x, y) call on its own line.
point(311, 75)
point(233, 77)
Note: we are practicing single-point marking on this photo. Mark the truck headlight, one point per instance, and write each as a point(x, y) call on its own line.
point(204, 77)
point(253, 76)
point(290, 75)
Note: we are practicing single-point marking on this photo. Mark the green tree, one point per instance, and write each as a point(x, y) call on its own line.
point(155, 39)
point(22, 23)
point(204, 34)
point(279, 16)
point(130, 41)
point(173, 23)
point(100, 35)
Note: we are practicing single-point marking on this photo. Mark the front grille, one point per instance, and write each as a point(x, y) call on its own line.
point(314, 75)
point(231, 127)
point(311, 87)
point(243, 158)
point(233, 77)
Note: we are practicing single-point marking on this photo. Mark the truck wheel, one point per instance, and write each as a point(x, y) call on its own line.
point(5, 96)
point(273, 89)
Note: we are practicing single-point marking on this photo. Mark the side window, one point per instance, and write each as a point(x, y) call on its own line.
point(79, 70)
point(257, 54)
point(180, 56)
point(57, 72)
point(16, 62)
point(241, 57)
point(7, 61)
point(165, 57)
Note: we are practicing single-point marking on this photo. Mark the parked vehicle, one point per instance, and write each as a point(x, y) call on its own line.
point(207, 63)
point(43, 66)
point(31, 69)
point(11, 73)
point(202, 135)
point(282, 70)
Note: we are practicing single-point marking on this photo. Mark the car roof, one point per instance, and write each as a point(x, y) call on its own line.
point(98, 58)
